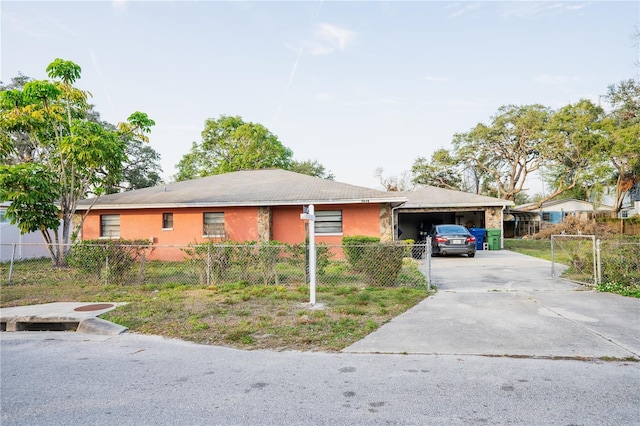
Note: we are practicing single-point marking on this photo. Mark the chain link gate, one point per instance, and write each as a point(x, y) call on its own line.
point(579, 254)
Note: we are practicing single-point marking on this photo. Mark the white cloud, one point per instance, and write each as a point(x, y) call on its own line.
point(323, 97)
point(381, 101)
point(120, 6)
point(526, 9)
point(328, 38)
point(436, 78)
point(462, 8)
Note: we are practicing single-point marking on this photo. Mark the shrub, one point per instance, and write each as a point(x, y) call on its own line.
point(384, 263)
point(299, 256)
point(621, 265)
point(354, 250)
point(381, 263)
point(110, 260)
point(210, 260)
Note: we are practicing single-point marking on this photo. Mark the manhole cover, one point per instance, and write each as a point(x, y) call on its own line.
point(96, 307)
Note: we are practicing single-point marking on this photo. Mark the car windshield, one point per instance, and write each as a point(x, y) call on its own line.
point(452, 229)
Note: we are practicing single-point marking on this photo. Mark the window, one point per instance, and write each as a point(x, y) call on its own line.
point(328, 222)
point(167, 220)
point(213, 226)
point(546, 216)
point(110, 226)
point(3, 217)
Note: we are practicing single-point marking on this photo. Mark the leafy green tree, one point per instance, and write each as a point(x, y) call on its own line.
point(443, 170)
point(311, 168)
point(622, 145)
point(141, 168)
point(229, 144)
point(571, 152)
point(54, 153)
point(507, 150)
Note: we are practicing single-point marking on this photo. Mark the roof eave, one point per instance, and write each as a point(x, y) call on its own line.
point(234, 204)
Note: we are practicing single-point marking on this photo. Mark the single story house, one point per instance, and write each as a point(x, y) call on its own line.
point(528, 219)
point(265, 205)
point(252, 205)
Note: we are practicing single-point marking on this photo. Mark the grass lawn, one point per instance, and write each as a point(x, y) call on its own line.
point(536, 248)
point(241, 315)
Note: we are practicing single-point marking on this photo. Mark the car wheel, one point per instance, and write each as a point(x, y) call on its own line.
point(471, 255)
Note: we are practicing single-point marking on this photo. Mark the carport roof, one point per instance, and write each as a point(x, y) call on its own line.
point(433, 197)
point(245, 188)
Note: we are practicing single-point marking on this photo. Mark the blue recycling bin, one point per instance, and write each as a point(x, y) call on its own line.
point(479, 233)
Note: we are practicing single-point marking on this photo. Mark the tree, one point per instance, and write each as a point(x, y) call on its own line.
point(507, 150)
point(141, 168)
point(229, 144)
point(442, 171)
point(54, 153)
point(311, 168)
point(394, 183)
point(571, 152)
point(622, 145)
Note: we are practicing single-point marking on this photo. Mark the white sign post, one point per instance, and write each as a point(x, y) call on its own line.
point(309, 214)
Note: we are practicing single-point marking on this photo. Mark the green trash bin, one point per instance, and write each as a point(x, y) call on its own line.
point(493, 239)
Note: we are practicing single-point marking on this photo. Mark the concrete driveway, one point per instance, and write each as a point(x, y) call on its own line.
point(502, 303)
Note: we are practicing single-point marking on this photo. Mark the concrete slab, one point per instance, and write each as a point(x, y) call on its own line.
point(506, 304)
point(81, 316)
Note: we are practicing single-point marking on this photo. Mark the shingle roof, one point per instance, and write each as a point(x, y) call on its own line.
point(431, 196)
point(245, 188)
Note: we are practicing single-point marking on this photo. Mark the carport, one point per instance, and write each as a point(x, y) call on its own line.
point(429, 206)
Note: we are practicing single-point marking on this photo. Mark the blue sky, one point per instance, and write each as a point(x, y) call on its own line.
point(354, 85)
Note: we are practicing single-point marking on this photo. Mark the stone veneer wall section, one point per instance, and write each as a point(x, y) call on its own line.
point(386, 233)
point(493, 218)
point(264, 224)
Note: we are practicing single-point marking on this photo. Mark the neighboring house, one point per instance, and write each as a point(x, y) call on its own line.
point(430, 205)
point(13, 244)
point(634, 208)
point(529, 218)
point(554, 211)
point(629, 211)
point(265, 205)
point(254, 205)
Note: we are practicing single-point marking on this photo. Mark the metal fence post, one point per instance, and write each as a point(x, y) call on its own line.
point(599, 261)
point(13, 255)
point(106, 268)
point(595, 264)
point(208, 265)
point(553, 259)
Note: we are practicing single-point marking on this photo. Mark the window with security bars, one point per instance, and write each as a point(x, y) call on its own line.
point(213, 226)
point(110, 226)
point(167, 220)
point(328, 222)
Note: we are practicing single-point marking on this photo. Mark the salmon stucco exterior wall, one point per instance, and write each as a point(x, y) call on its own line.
point(357, 219)
point(278, 223)
point(241, 224)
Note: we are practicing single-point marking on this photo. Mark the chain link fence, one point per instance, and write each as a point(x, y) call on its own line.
point(591, 261)
point(380, 264)
point(577, 255)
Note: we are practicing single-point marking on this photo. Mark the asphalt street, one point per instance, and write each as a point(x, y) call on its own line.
point(56, 378)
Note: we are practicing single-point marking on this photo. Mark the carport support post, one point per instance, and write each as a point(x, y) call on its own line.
point(309, 214)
